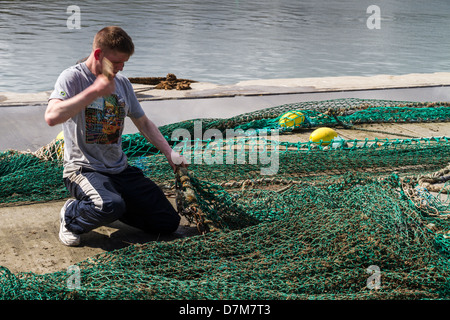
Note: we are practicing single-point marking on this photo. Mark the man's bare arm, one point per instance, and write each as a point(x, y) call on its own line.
point(59, 111)
point(151, 132)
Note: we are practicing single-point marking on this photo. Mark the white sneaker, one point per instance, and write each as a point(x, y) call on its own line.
point(67, 237)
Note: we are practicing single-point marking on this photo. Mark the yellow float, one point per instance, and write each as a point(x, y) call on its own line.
point(60, 145)
point(60, 136)
point(291, 119)
point(326, 135)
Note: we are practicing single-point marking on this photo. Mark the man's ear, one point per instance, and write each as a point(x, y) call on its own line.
point(97, 53)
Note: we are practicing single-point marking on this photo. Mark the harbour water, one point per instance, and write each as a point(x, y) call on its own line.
point(226, 42)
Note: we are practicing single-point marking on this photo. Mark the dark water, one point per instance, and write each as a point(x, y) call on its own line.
point(227, 41)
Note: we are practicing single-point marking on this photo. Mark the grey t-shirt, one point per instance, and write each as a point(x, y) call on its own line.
point(93, 137)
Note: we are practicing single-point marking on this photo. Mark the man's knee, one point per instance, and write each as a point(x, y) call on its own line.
point(112, 209)
point(83, 216)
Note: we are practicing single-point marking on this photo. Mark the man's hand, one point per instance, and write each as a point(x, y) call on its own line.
point(107, 68)
point(176, 160)
point(104, 86)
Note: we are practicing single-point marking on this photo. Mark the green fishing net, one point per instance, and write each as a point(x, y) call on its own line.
point(359, 219)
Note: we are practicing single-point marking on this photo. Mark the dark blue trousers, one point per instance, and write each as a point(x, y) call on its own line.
point(128, 196)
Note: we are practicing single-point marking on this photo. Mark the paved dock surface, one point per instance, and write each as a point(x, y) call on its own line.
point(24, 128)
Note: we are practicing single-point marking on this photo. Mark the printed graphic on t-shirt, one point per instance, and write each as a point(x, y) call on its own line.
point(104, 120)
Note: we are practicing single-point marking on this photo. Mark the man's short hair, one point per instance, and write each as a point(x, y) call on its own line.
point(113, 38)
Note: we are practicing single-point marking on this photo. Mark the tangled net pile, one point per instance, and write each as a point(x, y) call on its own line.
point(329, 224)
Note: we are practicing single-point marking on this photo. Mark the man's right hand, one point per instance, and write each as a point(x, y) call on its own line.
point(104, 86)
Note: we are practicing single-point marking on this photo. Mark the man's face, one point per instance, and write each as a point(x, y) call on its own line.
point(118, 59)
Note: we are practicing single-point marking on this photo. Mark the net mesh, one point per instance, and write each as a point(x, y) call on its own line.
point(357, 219)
